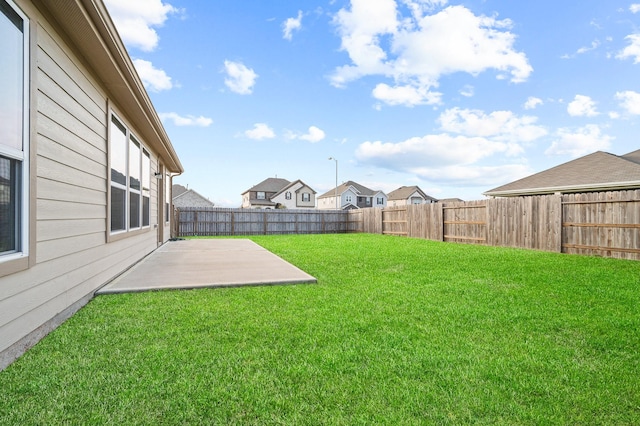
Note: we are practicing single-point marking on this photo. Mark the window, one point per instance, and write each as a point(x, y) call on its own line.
point(260, 195)
point(380, 201)
point(287, 195)
point(14, 140)
point(368, 201)
point(348, 198)
point(146, 187)
point(130, 180)
point(306, 197)
point(416, 200)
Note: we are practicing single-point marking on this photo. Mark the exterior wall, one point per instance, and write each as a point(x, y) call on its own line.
point(250, 200)
point(408, 201)
point(374, 200)
point(73, 252)
point(303, 189)
point(246, 203)
point(327, 203)
point(295, 202)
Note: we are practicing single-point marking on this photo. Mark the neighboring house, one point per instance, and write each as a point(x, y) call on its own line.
point(352, 195)
point(296, 195)
point(85, 165)
point(599, 171)
point(274, 193)
point(185, 197)
point(408, 195)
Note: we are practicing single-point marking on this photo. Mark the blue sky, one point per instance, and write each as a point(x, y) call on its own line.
point(456, 97)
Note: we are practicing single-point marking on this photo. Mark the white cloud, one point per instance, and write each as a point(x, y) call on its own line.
point(313, 135)
point(135, 20)
point(189, 120)
point(582, 106)
point(260, 131)
point(153, 78)
point(498, 125)
point(467, 91)
point(454, 157)
point(405, 95)
point(415, 52)
point(532, 102)
point(635, 8)
point(290, 25)
point(240, 79)
point(430, 151)
point(632, 50)
point(473, 175)
point(594, 45)
point(579, 142)
point(630, 101)
point(442, 158)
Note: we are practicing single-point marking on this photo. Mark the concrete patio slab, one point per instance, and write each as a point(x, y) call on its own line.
point(191, 264)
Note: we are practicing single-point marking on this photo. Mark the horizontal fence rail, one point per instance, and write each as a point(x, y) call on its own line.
point(600, 223)
point(604, 223)
point(212, 221)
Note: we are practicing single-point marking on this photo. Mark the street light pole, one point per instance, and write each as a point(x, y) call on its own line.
point(336, 190)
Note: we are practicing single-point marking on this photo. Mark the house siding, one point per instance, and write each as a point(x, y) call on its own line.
point(73, 257)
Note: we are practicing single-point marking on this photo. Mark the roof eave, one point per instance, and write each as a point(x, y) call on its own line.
point(609, 186)
point(102, 48)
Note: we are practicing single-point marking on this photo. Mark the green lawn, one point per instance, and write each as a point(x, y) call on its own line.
point(397, 331)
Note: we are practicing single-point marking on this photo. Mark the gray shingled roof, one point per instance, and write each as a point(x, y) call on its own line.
point(269, 185)
point(363, 190)
point(284, 188)
point(177, 190)
point(599, 171)
point(633, 156)
point(404, 192)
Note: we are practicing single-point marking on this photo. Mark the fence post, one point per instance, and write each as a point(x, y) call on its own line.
point(264, 217)
point(175, 228)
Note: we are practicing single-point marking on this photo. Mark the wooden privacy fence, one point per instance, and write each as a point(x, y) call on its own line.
point(599, 223)
point(211, 221)
point(604, 223)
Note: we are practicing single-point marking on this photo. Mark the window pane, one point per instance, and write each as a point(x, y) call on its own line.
point(145, 211)
point(146, 187)
point(12, 81)
point(118, 211)
point(134, 210)
point(9, 226)
point(134, 164)
point(118, 153)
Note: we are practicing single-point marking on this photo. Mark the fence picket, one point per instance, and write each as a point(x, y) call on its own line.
point(604, 224)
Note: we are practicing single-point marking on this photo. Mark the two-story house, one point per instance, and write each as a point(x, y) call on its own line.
point(274, 193)
point(351, 195)
point(406, 195)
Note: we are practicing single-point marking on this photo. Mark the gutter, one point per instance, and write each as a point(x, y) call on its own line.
point(616, 186)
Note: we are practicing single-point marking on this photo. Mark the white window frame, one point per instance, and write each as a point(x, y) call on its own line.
point(306, 197)
point(130, 137)
point(261, 195)
point(22, 156)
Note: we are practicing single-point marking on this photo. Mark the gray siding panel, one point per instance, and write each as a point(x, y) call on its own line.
point(73, 258)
